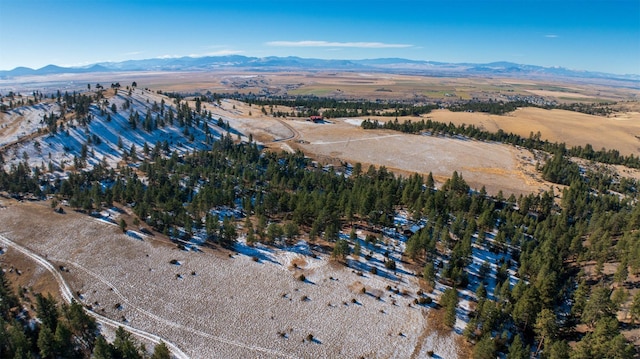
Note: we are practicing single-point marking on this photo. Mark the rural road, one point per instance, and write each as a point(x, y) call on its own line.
point(67, 295)
point(294, 133)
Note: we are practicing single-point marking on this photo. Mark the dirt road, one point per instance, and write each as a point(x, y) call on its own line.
point(67, 294)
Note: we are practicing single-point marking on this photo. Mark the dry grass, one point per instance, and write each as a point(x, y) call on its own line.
point(21, 272)
point(495, 166)
point(339, 84)
point(575, 129)
point(221, 306)
point(298, 263)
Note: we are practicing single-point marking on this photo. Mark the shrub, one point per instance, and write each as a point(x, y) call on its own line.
point(301, 278)
point(390, 264)
point(424, 300)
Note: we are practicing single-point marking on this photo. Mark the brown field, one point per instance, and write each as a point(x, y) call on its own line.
point(620, 131)
point(498, 167)
point(339, 84)
point(495, 166)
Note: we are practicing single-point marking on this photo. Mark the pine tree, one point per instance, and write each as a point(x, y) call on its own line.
point(7, 299)
point(357, 248)
point(123, 225)
point(598, 306)
point(161, 351)
point(340, 249)
point(124, 346)
point(429, 274)
point(47, 310)
point(46, 342)
point(546, 327)
point(450, 301)
point(517, 349)
point(485, 348)
point(102, 349)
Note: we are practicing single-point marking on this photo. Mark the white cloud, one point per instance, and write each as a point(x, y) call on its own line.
point(551, 36)
point(311, 43)
point(213, 53)
point(220, 53)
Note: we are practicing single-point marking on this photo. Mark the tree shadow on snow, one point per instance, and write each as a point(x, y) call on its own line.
point(260, 254)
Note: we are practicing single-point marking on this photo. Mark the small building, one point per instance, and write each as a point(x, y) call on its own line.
point(316, 119)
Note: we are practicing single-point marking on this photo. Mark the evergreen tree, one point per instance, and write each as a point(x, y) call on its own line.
point(429, 274)
point(102, 349)
point(449, 301)
point(598, 306)
point(340, 249)
point(517, 349)
point(46, 342)
point(124, 345)
point(546, 327)
point(161, 351)
point(485, 348)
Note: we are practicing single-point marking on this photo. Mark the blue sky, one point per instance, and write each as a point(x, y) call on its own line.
point(583, 35)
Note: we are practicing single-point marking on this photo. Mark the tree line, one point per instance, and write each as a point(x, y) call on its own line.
point(533, 142)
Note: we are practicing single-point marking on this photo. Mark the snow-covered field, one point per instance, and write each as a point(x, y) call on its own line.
point(214, 305)
point(61, 148)
point(24, 121)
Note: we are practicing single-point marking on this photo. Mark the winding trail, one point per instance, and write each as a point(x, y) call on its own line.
point(67, 295)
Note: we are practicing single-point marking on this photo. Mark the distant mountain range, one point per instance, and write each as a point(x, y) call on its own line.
point(272, 63)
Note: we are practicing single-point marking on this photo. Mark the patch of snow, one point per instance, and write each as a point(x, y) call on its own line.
point(353, 121)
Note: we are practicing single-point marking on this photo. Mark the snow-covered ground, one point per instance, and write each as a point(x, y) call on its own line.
point(214, 305)
point(24, 121)
point(353, 121)
point(61, 148)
